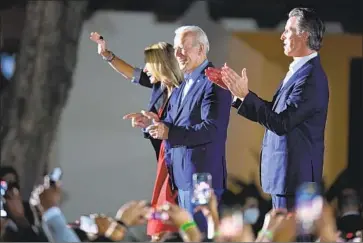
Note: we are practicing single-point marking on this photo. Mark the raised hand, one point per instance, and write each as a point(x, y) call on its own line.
point(177, 215)
point(138, 120)
point(108, 227)
point(133, 213)
point(157, 129)
point(101, 43)
point(50, 196)
point(14, 203)
point(238, 85)
point(211, 209)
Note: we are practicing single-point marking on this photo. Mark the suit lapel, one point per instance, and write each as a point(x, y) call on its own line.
point(192, 91)
point(291, 80)
point(156, 95)
point(277, 92)
point(180, 94)
point(287, 84)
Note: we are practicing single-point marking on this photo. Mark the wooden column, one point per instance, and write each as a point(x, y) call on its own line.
point(42, 81)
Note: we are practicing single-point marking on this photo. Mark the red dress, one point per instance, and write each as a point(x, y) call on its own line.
point(162, 192)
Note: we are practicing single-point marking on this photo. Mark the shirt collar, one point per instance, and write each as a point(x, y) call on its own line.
point(196, 72)
point(300, 61)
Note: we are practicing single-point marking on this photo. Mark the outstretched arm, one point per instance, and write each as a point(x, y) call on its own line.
point(118, 64)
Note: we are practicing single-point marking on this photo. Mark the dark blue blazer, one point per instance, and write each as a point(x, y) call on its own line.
point(156, 96)
point(293, 145)
point(198, 132)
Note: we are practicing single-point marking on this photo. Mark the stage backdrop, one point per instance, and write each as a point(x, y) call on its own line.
point(262, 54)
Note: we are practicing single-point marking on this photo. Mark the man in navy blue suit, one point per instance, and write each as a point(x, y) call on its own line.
point(195, 129)
point(293, 145)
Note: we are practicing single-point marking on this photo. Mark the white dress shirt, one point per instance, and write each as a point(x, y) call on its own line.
point(188, 83)
point(296, 65)
point(192, 77)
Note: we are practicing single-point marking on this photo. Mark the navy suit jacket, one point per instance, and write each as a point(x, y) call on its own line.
point(198, 132)
point(293, 145)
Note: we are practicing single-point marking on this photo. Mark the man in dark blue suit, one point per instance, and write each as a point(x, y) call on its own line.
point(195, 129)
point(293, 144)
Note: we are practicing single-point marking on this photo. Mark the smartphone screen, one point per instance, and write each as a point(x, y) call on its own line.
point(7, 65)
point(88, 225)
point(309, 206)
point(202, 188)
point(3, 189)
point(159, 215)
point(55, 175)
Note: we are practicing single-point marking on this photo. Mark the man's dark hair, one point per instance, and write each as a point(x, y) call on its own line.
point(5, 170)
point(309, 22)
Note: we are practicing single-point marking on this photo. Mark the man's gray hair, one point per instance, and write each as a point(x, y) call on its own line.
point(201, 36)
point(310, 22)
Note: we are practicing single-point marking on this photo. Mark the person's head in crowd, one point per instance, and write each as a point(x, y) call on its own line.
point(251, 212)
point(349, 218)
point(250, 199)
point(13, 194)
point(349, 201)
point(9, 174)
point(229, 198)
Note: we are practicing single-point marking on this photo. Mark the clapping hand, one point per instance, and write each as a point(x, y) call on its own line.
point(138, 120)
point(215, 75)
point(227, 78)
point(157, 130)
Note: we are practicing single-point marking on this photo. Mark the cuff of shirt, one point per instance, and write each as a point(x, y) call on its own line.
point(236, 102)
point(136, 76)
point(236, 98)
point(50, 213)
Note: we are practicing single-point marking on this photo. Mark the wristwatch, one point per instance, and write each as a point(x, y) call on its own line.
point(109, 58)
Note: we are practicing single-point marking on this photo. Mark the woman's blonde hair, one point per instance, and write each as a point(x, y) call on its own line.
point(163, 64)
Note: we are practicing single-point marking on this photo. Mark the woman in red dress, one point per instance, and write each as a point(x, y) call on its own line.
point(163, 191)
point(162, 74)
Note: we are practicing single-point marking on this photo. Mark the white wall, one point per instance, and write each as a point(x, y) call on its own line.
point(106, 162)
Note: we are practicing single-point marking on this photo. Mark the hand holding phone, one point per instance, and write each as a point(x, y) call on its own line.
point(88, 225)
point(55, 175)
point(202, 184)
point(3, 189)
point(159, 215)
point(309, 206)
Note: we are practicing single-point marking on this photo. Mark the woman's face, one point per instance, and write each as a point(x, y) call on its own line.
point(150, 74)
point(152, 77)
